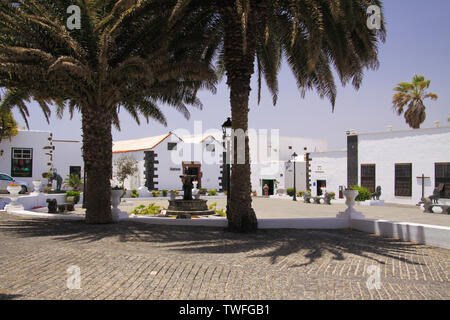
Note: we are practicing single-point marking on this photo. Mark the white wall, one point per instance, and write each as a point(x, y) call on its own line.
point(300, 176)
point(423, 148)
point(67, 153)
point(330, 166)
point(36, 140)
point(167, 160)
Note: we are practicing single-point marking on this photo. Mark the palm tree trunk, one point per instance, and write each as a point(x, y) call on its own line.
point(97, 154)
point(239, 65)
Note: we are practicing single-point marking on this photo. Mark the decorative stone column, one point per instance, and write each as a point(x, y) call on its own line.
point(14, 205)
point(350, 212)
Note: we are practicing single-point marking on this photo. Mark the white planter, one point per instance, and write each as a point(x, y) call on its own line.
point(350, 200)
point(14, 195)
point(37, 187)
point(115, 201)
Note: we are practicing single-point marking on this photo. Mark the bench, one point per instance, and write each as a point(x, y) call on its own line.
point(429, 204)
point(326, 198)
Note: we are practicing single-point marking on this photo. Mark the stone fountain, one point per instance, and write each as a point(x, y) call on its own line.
point(187, 207)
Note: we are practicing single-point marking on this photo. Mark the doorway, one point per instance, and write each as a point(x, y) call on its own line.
point(193, 168)
point(321, 184)
point(271, 184)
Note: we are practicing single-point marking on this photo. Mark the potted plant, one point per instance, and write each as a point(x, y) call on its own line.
point(14, 188)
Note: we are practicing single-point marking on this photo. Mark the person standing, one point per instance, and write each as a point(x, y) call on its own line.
point(266, 190)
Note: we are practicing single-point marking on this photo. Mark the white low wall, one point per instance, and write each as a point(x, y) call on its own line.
point(307, 223)
point(31, 201)
point(420, 233)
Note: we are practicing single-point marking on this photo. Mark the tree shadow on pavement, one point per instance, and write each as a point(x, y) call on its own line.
point(305, 246)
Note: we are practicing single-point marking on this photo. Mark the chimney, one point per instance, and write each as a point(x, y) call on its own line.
point(389, 128)
point(437, 124)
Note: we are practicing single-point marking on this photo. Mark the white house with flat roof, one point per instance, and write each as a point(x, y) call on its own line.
point(30, 153)
point(403, 163)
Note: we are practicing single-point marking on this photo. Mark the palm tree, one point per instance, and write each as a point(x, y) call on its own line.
point(124, 56)
point(412, 94)
point(313, 36)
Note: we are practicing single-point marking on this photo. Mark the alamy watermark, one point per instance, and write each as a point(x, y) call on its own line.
point(374, 20)
point(374, 281)
point(73, 281)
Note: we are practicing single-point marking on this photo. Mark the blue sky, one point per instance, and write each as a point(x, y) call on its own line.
point(418, 34)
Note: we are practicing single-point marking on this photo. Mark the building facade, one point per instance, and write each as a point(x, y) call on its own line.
point(404, 164)
point(31, 153)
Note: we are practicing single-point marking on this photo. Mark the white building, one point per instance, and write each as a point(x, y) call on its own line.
point(30, 153)
point(327, 169)
point(161, 159)
point(394, 160)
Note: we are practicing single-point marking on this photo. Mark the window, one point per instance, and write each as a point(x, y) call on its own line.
point(75, 170)
point(22, 162)
point(403, 180)
point(172, 146)
point(442, 179)
point(210, 147)
point(368, 177)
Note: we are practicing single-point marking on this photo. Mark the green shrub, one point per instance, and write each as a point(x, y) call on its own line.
point(333, 195)
point(176, 192)
point(152, 209)
point(156, 193)
point(290, 191)
point(363, 194)
point(134, 194)
point(75, 194)
point(217, 212)
point(203, 191)
point(123, 193)
point(164, 192)
point(212, 192)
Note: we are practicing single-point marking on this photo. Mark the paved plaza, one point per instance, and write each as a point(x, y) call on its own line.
point(130, 260)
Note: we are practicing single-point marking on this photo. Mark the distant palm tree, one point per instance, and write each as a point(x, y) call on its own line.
point(124, 56)
point(411, 95)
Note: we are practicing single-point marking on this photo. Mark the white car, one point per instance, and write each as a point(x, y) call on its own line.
point(6, 179)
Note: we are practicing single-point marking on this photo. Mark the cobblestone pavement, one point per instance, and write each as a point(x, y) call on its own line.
point(140, 261)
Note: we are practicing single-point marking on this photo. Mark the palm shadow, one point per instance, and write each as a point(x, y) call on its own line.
point(274, 244)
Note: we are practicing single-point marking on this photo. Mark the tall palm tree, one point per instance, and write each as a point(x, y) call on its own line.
point(312, 35)
point(412, 95)
point(125, 55)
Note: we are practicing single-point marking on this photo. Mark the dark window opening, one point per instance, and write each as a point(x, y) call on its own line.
point(368, 177)
point(442, 179)
point(22, 162)
point(172, 146)
point(403, 180)
point(75, 170)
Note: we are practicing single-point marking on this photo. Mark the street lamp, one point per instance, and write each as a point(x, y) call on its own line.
point(226, 129)
point(294, 156)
